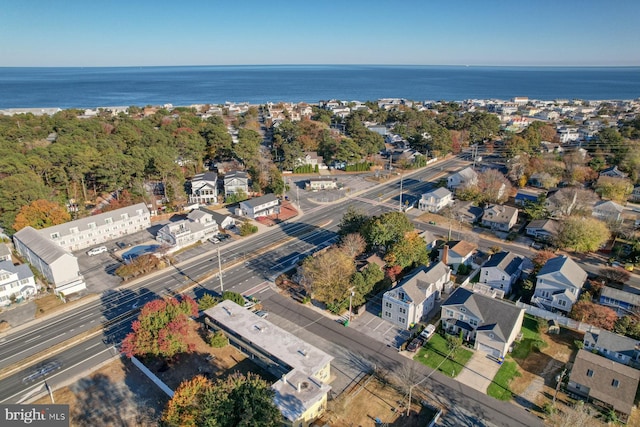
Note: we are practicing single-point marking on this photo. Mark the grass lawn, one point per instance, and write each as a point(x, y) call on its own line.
point(433, 355)
point(499, 388)
point(530, 338)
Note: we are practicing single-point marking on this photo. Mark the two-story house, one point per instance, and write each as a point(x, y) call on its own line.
point(204, 188)
point(15, 281)
point(415, 296)
point(543, 229)
point(199, 226)
point(616, 347)
point(435, 200)
point(491, 324)
point(558, 284)
point(235, 182)
point(455, 253)
point(622, 301)
point(501, 271)
point(265, 205)
point(499, 217)
point(609, 382)
point(463, 178)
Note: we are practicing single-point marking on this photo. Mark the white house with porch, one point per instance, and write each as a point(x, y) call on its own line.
point(435, 200)
point(199, 226)
point(559, 284)
point(204, 188)
point(16, 281)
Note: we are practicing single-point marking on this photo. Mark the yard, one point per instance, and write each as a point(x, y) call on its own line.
point(434, 354)
point(500, 387)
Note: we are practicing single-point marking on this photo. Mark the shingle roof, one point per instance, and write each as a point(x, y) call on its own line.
point(438, 193)
point(619, 295)
point(616, 343)
point(608, 206)
point(206, 176)
point(258, 201)
point(463, 248)
point(495, 315)
point(44, 248)
point(416, 285)
point(566, 267)
point(499, 213)
point(505, 261)
point(605, 371)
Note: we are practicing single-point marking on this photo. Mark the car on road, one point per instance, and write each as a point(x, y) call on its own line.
point(261, 313)
point(428, 332)
point(415, 344)
point(97, 251)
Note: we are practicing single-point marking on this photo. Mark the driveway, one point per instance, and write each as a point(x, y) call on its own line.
point(479, 371)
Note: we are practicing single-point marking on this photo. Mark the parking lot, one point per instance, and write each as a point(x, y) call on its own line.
point(370, 324)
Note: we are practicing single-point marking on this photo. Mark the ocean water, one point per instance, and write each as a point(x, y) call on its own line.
point(125, 86)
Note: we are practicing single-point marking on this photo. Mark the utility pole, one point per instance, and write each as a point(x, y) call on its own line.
point(350, 298)
point(401, 177)
point(50, 391)
point(559, 381)
point(220, 271)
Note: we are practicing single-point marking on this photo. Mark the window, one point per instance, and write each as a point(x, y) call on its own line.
point(402, 310)
point(486, 272)
point(589, 373)
point(502, 277)
point(387, 304)
point(124, 216)
point(402, 320)
point(462, 309)
point(461, 316)
point(619, 356)
point(92, 225)
point(473, 322)
point(55, 235)
point(108, 220)
point(615, 383)
point(387, 314)
point(449, 313)
point(73, 230)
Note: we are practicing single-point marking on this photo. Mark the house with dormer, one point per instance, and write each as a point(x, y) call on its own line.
point(491, 324)
point(499, 217)
point(435, 200)
point(414, 297)
point(611, 383)
point(558, 284)
point(616, 347)
point(463, 178)
point(235, 182)
point(501, 271)
point(455, 253)
point(204, 188)
point(197, 227)
point(16, 281)
point(265, 205)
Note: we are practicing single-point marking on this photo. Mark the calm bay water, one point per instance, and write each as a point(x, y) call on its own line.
point(124, 86)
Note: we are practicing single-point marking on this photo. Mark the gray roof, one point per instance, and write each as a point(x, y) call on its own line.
point(206, 176)
point(505, 261)
point(83, 223)
point(565, 267)
point(22, 270)
point(614, 342)
point(416, 285)
point(549, 225)
point(467, 173)
point(608, 206)
point(217, 216)
point(619, 295)
point(44, 248)
point(258, 201)
point(600, 383)
point(438, 193)
point(4, 250)
point(235, 174)
point(495, 315)
point(499, 213)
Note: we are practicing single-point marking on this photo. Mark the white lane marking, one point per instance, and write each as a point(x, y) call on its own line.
point(91, 346)
point(33, 339)
point(29, 349)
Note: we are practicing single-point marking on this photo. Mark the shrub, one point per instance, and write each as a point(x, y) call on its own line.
point(579, 344)
point(306, 300)
point(233, 296)
point(217, 339)
point(247, 228)
point(207, 301)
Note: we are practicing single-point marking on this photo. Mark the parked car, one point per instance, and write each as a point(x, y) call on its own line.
point(415, 344)
point(121, 245)
point(97, 251)
point(223, 236)
point(214, 240)
point(428, 332)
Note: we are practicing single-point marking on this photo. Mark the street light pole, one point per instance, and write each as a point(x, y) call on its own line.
point(350, 298)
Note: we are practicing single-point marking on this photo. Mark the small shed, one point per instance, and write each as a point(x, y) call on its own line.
point(554, 327)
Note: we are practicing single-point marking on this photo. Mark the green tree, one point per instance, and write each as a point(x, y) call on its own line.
point(582, 234)
point(236, 400)
point(386, 229)
point(207, 301)
point(233, 296)
point(408, 251)
point(328, 275)
point(616, 189)
point(353, 221)
point(537, 209)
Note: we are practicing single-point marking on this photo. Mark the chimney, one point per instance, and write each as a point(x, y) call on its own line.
point(284, 378)
point(299, 386)
point(445, 255)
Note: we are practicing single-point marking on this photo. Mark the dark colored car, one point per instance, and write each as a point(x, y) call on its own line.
point(415, 345)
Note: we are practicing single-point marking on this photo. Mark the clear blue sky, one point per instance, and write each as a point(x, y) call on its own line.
point(238, 32)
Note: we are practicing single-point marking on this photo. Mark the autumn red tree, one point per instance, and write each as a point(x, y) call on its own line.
point(615, 274)
point(161, 328)
point(594, 314)
point(541, 259)
point(41, 214)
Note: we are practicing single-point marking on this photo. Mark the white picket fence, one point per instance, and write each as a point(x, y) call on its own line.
point(562, 320)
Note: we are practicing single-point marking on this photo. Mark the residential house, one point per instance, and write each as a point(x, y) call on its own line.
point(612, 383)
point(613, 172)
point(635, 194)
point(265, 205)
point(235, 182)
point(322, 183)
point(621, 301)
point(414, 297)
point(304, 371)
point(455, 253)
point(313, 159)
point(607, 211)
point(499, 217)
point(491, 324)
point(429, 239)
point(463, 178)
point(525, 195)
point(204, 188)
point(466, 212)
point(16, 281)
point(224, 221)
point(435, 200)
point(543, 229)
point(56, 264)
point(98, 229)
point(559, 284)
point(197, 227)
point(616, 347)
point(5, 252)
point(501, 271)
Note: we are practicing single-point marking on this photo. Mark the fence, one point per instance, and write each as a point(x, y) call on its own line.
point(564, 321)
point(152, 377)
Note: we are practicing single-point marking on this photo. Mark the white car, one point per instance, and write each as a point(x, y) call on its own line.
point(428, 332)
point(97, 251)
